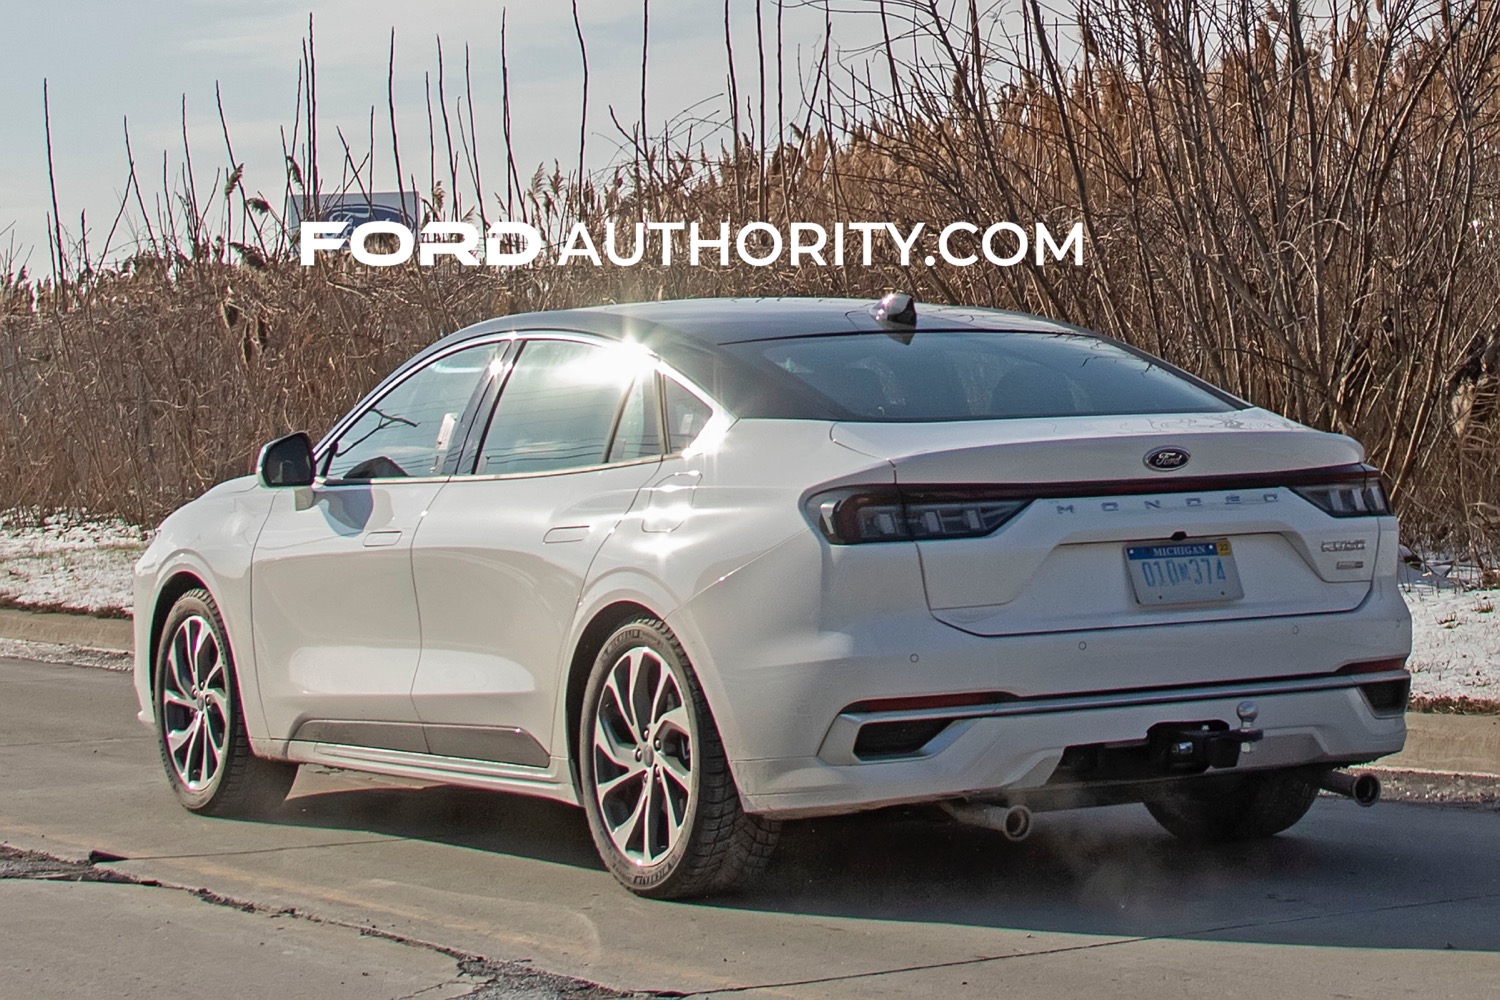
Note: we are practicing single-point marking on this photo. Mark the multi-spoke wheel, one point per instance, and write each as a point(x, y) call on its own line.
point(643, 756)
point(202, 736)
point(195, 704)
point(661, 802)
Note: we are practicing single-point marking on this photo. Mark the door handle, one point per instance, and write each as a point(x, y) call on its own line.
point(381, 539)
point(566, 533)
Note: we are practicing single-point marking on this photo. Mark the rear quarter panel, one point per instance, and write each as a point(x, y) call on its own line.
point(708, 516)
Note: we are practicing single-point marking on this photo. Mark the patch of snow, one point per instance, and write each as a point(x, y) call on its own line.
point(1455, 640)
point(67, 562)
point(70, 562)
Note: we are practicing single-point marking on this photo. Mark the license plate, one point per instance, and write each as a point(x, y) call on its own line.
point(1183, 572)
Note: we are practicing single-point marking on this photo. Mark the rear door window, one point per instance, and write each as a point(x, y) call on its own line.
point(638, 433)
point(560, 409)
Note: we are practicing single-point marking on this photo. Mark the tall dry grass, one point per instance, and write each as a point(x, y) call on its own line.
point(1300, 208)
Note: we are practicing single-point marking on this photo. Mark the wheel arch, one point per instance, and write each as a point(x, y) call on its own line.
point(590, 641)
point(167, 595)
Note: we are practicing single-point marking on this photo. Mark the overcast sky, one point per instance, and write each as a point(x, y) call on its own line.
point(105, 60)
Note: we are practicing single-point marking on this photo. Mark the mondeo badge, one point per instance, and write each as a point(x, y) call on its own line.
point(1167, 459)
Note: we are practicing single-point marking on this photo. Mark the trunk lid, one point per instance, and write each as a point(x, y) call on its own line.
point(1061, 564)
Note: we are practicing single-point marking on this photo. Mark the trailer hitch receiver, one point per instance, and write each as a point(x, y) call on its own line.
point(1194, 747)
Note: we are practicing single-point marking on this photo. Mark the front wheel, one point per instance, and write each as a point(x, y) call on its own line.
point(200, 728)
point(1258, 806)
point(662, 805)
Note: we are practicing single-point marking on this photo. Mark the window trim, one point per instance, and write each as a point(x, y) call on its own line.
point(494, 386)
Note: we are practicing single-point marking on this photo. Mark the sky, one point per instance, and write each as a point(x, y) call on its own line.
point(108, 60)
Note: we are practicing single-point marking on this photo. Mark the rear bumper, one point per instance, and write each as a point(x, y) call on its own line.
point(1016, 748)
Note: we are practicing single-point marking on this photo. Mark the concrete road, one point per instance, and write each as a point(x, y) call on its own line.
point(92, 939)
point(1397, 900)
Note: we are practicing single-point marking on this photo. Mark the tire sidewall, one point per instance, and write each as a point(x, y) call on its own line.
point(640, 878)
point(1262, 805)
point(199, 603)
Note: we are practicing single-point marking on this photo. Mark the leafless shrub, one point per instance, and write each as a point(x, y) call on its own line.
point(1300, 208)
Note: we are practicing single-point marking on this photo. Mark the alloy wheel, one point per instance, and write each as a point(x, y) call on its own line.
point(643, 749)
point(195, 704)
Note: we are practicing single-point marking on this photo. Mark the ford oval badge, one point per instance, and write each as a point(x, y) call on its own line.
point(1167, 459)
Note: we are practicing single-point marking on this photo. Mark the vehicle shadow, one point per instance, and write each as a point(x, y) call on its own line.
point(515, 825)
point(1332, 882)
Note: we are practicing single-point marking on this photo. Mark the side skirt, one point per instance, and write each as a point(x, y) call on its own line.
point(550, 782)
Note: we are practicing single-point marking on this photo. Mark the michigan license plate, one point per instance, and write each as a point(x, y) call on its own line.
point(1183, 572)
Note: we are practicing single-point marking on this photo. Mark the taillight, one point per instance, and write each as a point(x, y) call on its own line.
point(890, 514)
point(1358, 497)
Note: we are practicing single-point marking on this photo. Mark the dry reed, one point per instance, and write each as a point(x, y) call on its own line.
point(1301, 209)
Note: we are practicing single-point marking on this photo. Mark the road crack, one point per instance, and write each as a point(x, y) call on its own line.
point(492, 980)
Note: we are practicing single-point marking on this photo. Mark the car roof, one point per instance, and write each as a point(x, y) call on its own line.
point(691, 334)
point(715, 322)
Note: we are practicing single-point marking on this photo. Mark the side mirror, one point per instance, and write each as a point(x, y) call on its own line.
point(287, 461)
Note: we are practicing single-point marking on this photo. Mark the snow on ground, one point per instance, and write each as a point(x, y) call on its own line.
point(1455, 639)
point(68, 562)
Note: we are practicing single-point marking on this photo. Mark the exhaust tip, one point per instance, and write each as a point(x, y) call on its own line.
point(1366, 790)
point(1016, 823)
point(1011, 822)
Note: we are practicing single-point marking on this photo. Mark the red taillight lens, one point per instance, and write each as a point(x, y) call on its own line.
point(890, 514)
point(1360, 496)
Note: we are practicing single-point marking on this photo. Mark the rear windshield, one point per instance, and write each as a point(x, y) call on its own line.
point(955, 375)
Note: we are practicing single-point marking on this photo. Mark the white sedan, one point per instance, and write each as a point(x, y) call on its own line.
point(701, 566)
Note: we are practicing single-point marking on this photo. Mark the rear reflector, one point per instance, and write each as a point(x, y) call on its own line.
point(917, 703)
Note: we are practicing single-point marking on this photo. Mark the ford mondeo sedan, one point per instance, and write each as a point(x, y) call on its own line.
point(702, 566)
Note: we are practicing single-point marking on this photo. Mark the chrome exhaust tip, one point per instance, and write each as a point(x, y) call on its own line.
point(1362, 788)
point(1016, 823)
point(1012, 822)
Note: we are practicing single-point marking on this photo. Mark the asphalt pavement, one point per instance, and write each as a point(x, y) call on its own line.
point(365, 886)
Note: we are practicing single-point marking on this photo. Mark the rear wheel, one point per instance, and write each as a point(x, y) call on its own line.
point(200, 728)
point(1258, 806)
point(662, 805)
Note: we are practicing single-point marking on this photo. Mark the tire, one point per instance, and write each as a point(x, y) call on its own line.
point(662, 805)
point(1258, 806)
point(200, 728)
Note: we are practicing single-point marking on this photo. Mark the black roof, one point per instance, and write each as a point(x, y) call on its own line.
point(694, 336)
point(690, 334)
point(713, 322)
